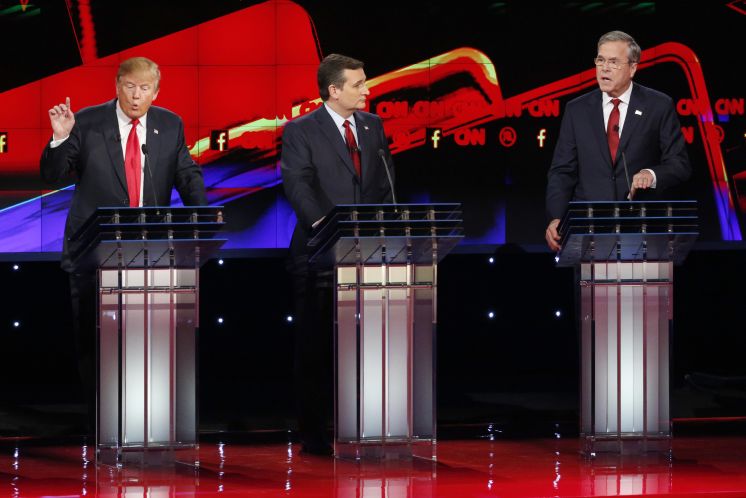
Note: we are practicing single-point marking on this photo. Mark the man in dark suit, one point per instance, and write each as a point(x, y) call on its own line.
point(100, 148)
point(333, 155)
point(620, 125)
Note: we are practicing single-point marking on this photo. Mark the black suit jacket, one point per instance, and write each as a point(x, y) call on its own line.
point(92, 158)
point(317, 170)
point(582, 169)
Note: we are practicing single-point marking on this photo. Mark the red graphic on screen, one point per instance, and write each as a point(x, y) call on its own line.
point(248, 73)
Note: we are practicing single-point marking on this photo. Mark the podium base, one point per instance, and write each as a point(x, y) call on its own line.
point(135, 456)
point(625, 444)
point(386, 449)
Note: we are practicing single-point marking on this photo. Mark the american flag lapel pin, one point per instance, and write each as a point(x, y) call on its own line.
point(638, 112)
point(365, 127)
point(155, 130)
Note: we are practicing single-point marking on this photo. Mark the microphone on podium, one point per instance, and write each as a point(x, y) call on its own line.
point(382, 155)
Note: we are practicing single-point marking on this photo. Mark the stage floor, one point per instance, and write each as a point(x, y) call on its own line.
point(230, 466)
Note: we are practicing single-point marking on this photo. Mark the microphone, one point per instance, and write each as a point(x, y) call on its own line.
point(144, 148)
point(382, 154)
point(626, 174)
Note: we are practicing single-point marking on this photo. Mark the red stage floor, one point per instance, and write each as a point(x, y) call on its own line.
point(701, 466)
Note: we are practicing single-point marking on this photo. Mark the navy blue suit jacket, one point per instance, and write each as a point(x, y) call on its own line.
point(92, 158)
point(582, 169)
point(318, 173)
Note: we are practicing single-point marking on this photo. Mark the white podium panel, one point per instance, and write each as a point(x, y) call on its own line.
point(385, 364)
point(146, 404)
point(626, 317)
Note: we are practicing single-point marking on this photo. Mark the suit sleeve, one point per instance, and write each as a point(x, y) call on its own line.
point(563, 172)
point(189, 181)
point(61, 164)
point(674, 167)
point(299, 176)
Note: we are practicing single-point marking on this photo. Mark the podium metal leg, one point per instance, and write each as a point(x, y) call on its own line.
point(626, 319)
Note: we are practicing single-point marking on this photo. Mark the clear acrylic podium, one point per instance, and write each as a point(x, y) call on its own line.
point(147, 261)
point(624, 254)
point(385, 260)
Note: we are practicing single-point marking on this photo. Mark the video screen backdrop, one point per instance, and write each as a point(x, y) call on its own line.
point(471, 94)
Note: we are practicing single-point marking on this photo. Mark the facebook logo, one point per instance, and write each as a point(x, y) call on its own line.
point(3, 142)
point(219, 140)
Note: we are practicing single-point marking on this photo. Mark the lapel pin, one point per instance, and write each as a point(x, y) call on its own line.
point(638, 112)
point(156, 131)
point(365, 127)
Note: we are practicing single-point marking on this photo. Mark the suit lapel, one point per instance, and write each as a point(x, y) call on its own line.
point(153, 141)
point(597, 117)
point(635, 112)
point(335, 137)
point(114, 143)
point(365, 144)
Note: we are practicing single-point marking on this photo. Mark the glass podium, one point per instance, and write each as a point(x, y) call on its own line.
point(385, 260)
point(147, 261)
point(624, 254)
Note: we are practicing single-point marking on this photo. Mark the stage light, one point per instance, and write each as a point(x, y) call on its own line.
point(16, 324)
point(16, 267)
point(491, 260)
point(491, 315)
point(289, 318)
point(220, 320)
point(556, 259)
point(220, 262)
point(558, 313)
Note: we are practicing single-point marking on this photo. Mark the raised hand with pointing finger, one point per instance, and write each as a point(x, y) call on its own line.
point(62, 119)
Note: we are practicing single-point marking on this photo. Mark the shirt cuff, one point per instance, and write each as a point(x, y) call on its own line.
point(57, 143)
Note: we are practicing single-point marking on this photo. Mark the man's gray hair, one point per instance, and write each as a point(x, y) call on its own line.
point(633, 49)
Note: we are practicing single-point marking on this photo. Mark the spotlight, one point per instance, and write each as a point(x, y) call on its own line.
point(289, 318)
point(220, 262)
point(491, 315)
point(16, 267)
point(220, 320)
point(556, 259)
point(558, 313)
point(491, 260)
point(16, 324)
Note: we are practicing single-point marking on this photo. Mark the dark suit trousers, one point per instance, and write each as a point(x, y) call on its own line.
point(83, 300)
point(313, 360)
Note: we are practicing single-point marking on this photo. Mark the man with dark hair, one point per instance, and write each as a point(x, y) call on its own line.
point(618, 126)
point(100, 149)
point(329, 156)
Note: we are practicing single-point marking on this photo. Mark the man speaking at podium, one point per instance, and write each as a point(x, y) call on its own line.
point(337, 154)
point(106, 150)
point(620, 131)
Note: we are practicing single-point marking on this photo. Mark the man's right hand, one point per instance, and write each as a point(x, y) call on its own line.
point(553, 236)
point(62, 119)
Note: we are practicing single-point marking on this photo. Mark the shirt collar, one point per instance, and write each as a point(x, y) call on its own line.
point(623, 97)
point(339, 120)
point(125, 120)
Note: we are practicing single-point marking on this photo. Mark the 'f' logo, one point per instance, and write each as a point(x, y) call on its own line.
point(435, 135)
point(3, 142)
point(219, 140)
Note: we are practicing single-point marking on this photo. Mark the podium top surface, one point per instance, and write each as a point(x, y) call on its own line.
point(386, 233)
point(148, 237)
point(628, 231)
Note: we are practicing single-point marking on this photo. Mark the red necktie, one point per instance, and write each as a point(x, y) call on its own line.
point(132, 165)
point(352, 147)
point(612, 130)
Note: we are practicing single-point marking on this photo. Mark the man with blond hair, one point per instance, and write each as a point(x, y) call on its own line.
point(102, 150)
